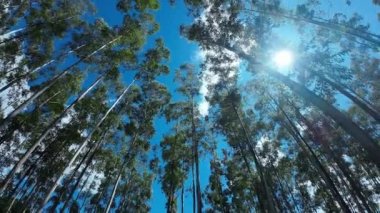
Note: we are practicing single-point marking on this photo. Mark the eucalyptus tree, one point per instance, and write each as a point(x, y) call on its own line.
point(217, 194)
point(174, 153)
point(188, 121)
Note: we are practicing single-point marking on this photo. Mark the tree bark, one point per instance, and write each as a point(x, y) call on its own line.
point(19, 78)
point(45, 133)
point(368, 109)
point(318, 138)
point(84, 144)
point(271, 206)
point(196, 158)
point(341, 119)
point(324, 24)
point(299, 138)
point(16, 111)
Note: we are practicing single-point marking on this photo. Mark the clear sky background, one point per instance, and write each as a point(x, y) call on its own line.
point(182, 51)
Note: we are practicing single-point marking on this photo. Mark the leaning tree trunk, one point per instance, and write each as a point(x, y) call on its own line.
point(114, 191)
point(270, 200)
point(368, 109)
point(120, 174)
point(240, 150)
point(313, 157)
point(196, 159)
point(318, 138)
point(83, 145)
point(45, 133)
point(23, 76)
point(341, 119)
point(372, 38)
point(26, 32)
point(88, 163)
point(51, 82)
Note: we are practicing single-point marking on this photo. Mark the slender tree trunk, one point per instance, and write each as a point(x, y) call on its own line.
point(368, 109)
point(270, 200)
point(261, 200)
point(283, 193)
point(81, 189)
point(360, 136)
point(325, 24)
point(317, 138)
point(88, 163)
point(23, 76)
point(196, 158)
point(193, 187)
point(45, 133)
point(299, 138)
point(85, 142)
point(345, 122)
point(49, 99)
point(119, 175)
point(37, 26)
point(182, 199)
point(51, 83)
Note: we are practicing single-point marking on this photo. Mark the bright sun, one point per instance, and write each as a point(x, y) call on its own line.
point(283, 58)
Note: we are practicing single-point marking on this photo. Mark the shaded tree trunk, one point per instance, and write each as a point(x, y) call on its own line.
point(364, 106)
point(307, 149)
point(271, 206)
point(341, 119)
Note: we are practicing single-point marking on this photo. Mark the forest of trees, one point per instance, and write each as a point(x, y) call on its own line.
point(80, 100)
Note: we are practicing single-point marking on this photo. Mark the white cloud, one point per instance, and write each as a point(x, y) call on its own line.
point(203, 107)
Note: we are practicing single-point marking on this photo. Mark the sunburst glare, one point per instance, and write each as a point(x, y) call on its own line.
point(283, 59)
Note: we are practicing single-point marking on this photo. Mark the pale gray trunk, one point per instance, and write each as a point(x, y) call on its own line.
point(114, 191)
point(51, 83)
point(19, 78)
point(83, 145)
point(45, 133)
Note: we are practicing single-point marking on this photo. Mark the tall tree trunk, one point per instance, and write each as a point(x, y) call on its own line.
point(341, 119)
point(88, 163)
point(44, 134)
point(285, 192)
point(370, 37)
point(120, 173)
point(318, 138)
point(271, 206)
point(345, 122)
point(182, 199)
point(84, 144)
point(29, 73)
point(196, 158)
point(364, 106)
point(51, 83)
point(307, 149)
point(241, 149)
point(25, 31)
